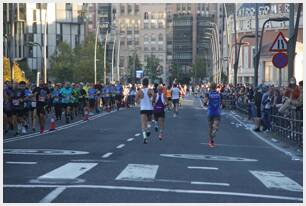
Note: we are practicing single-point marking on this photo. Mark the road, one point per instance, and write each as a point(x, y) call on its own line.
point(104, 160)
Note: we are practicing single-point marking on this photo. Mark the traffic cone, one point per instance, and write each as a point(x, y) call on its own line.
point(52, 125)
point(85, 118)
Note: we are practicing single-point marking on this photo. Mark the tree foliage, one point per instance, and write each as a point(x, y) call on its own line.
point(152, 69)
point(131, 69)
point(199, 69)
point(77, 64)
point(18, 75)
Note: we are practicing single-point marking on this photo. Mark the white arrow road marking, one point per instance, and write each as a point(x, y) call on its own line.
point(138, 172)
point(120, 146)
point(68, 171)
point(130, 139)
point(53, 195)
point(277, 180)
point(166, 190)
point(203, 168)
point(107, 155)
point(21, 163)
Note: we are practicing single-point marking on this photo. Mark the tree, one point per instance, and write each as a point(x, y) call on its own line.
point(19, 74)
point(199, 69)
point(62, 63)
point(131, 69)
point(84, 61)
point(152, 68)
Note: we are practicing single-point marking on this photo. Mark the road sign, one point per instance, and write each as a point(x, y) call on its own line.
point(279, 44)
point(280, 60)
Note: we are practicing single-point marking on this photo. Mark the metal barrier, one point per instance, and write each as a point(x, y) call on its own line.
point(288, 126)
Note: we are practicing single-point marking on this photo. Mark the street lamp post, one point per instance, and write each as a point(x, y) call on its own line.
point(113, 57)
point(238, 54)
point(257, 56)
point(37, 71)
point(105, 44)
point(118, 59)
point(96, 42)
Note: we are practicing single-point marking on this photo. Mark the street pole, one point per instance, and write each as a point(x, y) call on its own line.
point(280, 77)
point(105, 44)
point(256, 47)
point(113, 57)
point(291, 42)
point(96, 43)
point(12, 44)
point(45, 46)
point(118, 59)
point(235, 34)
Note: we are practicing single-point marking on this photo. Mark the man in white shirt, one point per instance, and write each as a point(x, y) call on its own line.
point(175, 93)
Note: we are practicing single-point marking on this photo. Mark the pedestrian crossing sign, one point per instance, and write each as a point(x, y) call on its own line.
point(279, 44)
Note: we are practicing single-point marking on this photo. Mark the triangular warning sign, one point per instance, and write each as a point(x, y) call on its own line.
point(279, 44)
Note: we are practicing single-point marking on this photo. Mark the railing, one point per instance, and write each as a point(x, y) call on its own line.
point(288, 126)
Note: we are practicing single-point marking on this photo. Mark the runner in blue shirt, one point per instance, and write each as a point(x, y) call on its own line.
point(214, 101)
point(66, 93)
point(119, 94)
point(92, 98)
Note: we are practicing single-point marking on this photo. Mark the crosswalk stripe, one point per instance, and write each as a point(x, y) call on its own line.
point(138, 172)
point(68, 171)
point(277, 180)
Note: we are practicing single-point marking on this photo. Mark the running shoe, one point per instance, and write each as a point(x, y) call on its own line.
point(148, 134)
point(156, 129)
point(42, 129)
point(211, 143)
point(145, 141)
point(23, 130)
point(161, 136)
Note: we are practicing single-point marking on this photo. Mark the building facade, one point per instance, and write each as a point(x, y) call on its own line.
point(64, 24)
point(267, 73)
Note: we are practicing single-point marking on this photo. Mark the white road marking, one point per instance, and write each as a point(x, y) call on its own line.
point(13, 139)
point(92, 160)
point(277, 180)
point(130, 139)
point(107, 155)
point(268, 142)
point(42, 152)
point(21, 163)
point(137, 135)
point(247, 146)
point(208, 157)
point(203, 168)
point(210, 183)
point(120, 146)
point(166, 190)
point(53, 195)
point(138, 172)
point(68, 171)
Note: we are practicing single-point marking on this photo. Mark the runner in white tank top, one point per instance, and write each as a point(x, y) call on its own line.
point(143, 98)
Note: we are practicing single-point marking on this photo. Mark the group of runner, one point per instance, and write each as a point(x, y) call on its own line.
point(24, 104)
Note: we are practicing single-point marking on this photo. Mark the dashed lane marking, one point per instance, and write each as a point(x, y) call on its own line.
point(120, 146)
point(21, 163)
point(137, 135)
point(107, 155)
point(203, 168)
point(130, 139)
point(211, 183)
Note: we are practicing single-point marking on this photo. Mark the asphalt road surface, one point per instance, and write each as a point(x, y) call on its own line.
point(104, 160)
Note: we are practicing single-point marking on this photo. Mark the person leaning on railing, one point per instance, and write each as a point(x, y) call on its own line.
point(292, 96)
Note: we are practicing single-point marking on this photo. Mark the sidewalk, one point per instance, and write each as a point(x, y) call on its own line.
point(269, 137)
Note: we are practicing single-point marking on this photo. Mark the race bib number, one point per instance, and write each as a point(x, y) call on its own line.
point(15, 102)
point(41, 99)
point(56, 99)
point(33, 104)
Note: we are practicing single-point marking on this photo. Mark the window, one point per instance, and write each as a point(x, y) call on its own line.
point(76, 40)
point(136, 9)
point(121, 64)
point(153, 39)
point(146, 38)
point(153, 48)
point(160, 37)
point(122, 9)
point(31, 51)
point(160, 24)
point(122, 42)
point(129, 42)
point(34, 15)
point(68, 11)
point(146, 48)
point(34, 27)
point(246, 57)
point(160, 48)
point(146, 25)
point(146, 15)
point(129, 9)
point(58, 38)
point(42, 39)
